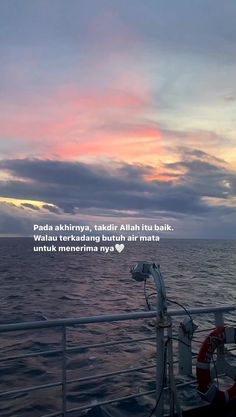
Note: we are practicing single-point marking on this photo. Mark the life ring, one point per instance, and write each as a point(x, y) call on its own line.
point(206, 388)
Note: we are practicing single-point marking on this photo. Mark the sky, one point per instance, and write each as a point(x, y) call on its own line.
point(118, 111)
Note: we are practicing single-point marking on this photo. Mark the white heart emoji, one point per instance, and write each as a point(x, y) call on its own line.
point(120, 247)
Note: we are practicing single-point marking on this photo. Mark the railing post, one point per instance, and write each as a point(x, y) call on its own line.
point(171, 372)
point(161, 358)
point(173, 398)
point(219, 318)
point(219, 321)
point(64, 375)
point(160, 370)
point(186, 329)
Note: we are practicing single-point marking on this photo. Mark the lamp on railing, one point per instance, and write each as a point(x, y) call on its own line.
point(141, 272)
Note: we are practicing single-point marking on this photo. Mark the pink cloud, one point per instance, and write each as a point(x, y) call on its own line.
point(70, 124)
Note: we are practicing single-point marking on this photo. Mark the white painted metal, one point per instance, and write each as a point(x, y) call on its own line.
point(141, 272)
point(64, 323)
point(220, 362)
point(185, 334)
point(161, 323)
point(171, 372)
point(45, 324)
point(64, 373)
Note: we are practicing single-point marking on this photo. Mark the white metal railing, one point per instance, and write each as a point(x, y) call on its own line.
point(185, 354)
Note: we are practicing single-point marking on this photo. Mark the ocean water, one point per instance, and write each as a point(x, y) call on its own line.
point(41, 286)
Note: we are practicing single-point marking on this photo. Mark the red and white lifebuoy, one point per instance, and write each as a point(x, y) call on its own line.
point(207, 389)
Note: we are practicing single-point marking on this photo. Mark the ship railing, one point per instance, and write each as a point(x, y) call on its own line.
point(185, 356)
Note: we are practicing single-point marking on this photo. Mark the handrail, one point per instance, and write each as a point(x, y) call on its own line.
point(107, 318)
point(76, 349)
point(63, 324)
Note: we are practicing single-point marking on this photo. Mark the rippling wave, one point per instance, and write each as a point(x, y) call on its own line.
point(41, 286)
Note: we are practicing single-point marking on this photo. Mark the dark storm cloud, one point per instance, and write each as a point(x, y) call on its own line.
point(70, 185)
point(75, 173)
point(208, 178)
point(29, 206)
point(52, 209)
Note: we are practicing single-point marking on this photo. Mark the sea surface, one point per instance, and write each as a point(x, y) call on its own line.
point(42, 286)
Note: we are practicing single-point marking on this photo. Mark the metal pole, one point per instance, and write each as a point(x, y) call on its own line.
point(184, 347)
point(64, 375)
point(160, 371)
point(174, 402)
point(160, 342)
point(220, 363)
point(171, 373)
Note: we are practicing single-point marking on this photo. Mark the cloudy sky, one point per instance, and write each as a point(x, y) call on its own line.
point(118, 110)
